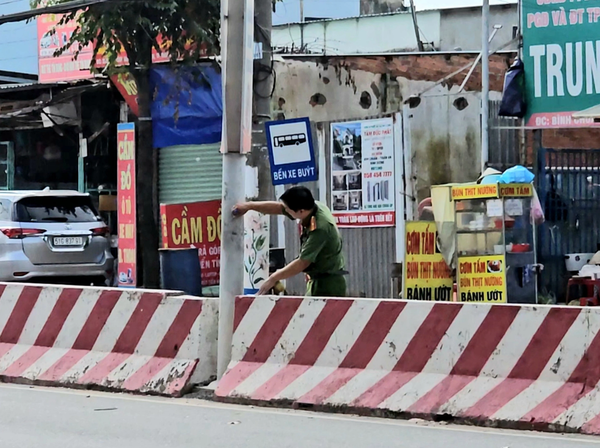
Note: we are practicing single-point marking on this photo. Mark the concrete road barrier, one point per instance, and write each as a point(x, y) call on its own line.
point(500, 365)
point(132, 340)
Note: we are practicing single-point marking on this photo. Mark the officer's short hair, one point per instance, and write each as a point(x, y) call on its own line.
point(298, 198)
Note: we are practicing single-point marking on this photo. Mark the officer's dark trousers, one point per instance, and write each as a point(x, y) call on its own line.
point(330, 286)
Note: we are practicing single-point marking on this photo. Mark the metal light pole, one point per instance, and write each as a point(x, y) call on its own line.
point(485, 83)
point(237, 36)
point(479, 56)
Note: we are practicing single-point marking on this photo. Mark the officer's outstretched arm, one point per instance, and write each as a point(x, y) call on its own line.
point(265, 207)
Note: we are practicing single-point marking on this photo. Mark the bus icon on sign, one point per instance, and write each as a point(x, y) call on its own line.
point(289, 140)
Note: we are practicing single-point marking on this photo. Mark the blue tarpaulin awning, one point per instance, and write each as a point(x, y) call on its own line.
point(187, 107)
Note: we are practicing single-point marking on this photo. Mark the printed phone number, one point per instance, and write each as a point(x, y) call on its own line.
point(375, 175)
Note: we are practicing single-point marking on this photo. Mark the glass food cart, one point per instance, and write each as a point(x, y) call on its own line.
point(495, 243)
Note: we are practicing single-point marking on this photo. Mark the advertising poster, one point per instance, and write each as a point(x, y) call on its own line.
point(560, 54)
point(64, 67)
point(126, 213)
point(196, 224)
point(426, 274)
point(362, 173)
point(482, 279)
point(256, 251)
point(60, 68)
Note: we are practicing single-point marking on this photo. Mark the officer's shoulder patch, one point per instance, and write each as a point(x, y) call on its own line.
point(313, 224)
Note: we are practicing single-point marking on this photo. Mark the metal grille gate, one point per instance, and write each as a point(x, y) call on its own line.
point(504, 138)
point(569, 190)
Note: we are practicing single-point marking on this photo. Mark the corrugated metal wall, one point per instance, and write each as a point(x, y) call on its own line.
point(505, 139)
point(369, 252)
point(369, 258)
point(189, 173)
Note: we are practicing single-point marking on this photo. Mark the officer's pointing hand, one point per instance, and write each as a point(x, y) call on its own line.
point(240, 209)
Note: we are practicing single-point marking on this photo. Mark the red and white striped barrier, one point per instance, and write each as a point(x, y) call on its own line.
point(527, 366)
point(118, 339)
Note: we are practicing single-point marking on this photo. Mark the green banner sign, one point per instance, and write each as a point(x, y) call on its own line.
point(561, 53)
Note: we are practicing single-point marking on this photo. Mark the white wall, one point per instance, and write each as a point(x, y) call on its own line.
point(441, 30)
point(445, 142)
point(375, 34)
point(454, 22)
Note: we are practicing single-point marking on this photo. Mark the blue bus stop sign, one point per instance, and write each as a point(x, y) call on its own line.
point(291, 151)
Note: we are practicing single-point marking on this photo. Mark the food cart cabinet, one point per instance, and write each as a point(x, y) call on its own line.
point(495, 243)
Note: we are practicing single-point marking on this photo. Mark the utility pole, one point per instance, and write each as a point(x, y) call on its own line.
point(416, 25)
point(301, 27)
point(259, 186)
point(237, 37)
point(485, 83)
point(263, 90)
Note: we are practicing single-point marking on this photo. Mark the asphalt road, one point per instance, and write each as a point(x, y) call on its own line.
point(57, 418)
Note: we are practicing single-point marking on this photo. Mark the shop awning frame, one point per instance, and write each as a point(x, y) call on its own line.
point(591, 112)
point(29, 116)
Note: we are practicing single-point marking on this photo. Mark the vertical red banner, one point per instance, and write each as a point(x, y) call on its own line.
point(127, 274)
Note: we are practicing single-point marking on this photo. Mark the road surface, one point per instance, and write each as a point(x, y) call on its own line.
point(59, 418)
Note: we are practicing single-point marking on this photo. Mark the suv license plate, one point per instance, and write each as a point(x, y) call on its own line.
point(68, 241)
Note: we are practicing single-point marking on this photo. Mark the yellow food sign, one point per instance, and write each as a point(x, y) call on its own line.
point(471, 191)
point(516, 190)
point(426, 274)
point(482, 279)
point(475, 192)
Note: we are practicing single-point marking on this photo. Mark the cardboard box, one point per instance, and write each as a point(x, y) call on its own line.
point(108, 203)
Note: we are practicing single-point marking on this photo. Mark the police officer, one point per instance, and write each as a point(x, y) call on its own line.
point(321, 257)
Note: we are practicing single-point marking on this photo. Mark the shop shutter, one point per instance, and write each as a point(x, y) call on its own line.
point(189, 173)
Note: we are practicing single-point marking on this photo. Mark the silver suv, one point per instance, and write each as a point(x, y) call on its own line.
point(51, 235)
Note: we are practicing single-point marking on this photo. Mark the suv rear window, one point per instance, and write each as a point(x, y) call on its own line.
point(56, 209)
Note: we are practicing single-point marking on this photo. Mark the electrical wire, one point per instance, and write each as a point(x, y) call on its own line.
point(7, 29)
point(8, 2)
point(271, 73)
point(19, 57)
point(19, 41)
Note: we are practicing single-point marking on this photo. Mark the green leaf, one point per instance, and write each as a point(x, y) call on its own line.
point(260, 242)
point(258, 280)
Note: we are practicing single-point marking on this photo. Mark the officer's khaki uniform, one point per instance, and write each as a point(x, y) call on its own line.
point(322, 247)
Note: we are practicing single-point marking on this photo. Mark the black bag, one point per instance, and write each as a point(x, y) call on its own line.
point(513, 97)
